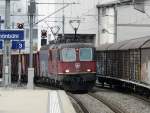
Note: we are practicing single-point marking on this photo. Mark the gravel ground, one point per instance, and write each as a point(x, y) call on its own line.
point(93, 105)
point(128, 103)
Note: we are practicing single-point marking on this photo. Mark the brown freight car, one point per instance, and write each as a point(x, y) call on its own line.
point(24, 59)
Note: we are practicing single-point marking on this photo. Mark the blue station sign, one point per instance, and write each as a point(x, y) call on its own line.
point(11, 34)
point(18, 45)
point(1, 44)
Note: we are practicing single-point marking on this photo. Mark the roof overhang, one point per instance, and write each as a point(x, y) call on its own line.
point(111, 3)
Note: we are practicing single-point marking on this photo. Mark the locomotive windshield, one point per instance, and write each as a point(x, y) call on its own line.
point(68, 54)
point(85, 54)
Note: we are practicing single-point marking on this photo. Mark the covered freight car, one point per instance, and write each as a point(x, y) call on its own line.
point(125, 63)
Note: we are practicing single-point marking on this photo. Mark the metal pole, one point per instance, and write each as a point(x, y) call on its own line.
point(115, 22)
point(19, 68)
point(31, 40)
point(75, 29)
point(31, 12)
point(98, 40)
point(63, 23)
point(6, 50)
point(0, 22)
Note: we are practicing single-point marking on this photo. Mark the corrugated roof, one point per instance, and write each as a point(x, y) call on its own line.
point(135, 43)
point(146, 45)
point(116, 46)
point(103, 47)
point(143, 42)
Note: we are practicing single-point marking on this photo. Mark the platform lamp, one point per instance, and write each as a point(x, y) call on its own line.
point(75, 25)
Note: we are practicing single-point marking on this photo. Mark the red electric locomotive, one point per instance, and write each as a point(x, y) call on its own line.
point(70, 65)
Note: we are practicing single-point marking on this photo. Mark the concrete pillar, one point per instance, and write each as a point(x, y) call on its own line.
point(97, 40)
point(6, 77)
point(30, 84)
point(107, 20)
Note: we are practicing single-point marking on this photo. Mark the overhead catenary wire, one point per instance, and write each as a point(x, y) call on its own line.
point(134, 25)
point(57, 3)
point(52, 14)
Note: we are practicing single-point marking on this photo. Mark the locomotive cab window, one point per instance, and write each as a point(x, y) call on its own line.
point(85, 54)
point(68, 54)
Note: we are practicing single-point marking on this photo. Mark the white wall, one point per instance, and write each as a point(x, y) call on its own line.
point(86, 11)
point(128, 15)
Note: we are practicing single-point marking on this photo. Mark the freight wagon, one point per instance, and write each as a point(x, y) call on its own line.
point(125, 64)
point(24, 59)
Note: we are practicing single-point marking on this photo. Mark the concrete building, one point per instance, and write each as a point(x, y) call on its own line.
point(130, 22)
point(133, 23)
point(19, 11)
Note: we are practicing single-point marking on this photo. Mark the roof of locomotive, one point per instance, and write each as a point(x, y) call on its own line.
point(67, 45)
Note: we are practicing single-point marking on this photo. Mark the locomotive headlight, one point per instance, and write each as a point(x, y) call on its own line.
point(88, 70)
point(67, 70)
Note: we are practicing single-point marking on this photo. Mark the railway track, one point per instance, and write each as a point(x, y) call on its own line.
point(114, 108)
point(139, 97)
point(130, 102)
point(79, 103)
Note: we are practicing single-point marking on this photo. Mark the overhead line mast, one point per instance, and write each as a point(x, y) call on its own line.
point(63, 22)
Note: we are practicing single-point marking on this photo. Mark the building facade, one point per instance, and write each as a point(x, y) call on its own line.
point(129, 22)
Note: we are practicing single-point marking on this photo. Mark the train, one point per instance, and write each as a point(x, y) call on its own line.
point(125, 65)
point(69, 65)
point(23, 58)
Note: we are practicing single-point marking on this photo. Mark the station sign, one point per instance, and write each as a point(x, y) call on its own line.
point(11, 34)
point(18, 45)
point(1, 44)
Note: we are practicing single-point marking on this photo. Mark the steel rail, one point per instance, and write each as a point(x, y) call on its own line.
point(112, 106)
point(141, 98)
point(84, 109)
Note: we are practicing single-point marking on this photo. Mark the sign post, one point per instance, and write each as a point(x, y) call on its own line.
point(6, 50)
point(7, 36)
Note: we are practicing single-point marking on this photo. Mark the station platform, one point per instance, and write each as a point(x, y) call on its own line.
point(34, 101)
